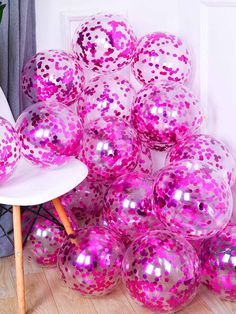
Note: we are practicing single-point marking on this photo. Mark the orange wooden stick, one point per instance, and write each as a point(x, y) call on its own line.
point(62, 215)
point(20, 285)
point(64, 219)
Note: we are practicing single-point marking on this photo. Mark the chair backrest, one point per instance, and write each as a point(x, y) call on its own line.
point(5, 110)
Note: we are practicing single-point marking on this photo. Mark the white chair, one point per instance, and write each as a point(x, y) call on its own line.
point(31, 185)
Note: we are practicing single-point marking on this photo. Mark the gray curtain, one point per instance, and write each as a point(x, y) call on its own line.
point(17, 45)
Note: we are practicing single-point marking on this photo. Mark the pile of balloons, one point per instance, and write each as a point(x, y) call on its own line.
point(163, 232)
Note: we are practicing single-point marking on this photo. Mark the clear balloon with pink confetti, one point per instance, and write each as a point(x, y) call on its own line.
point(9, 149)
point(104, 43)
point(128, 207)
point(50, 133)
point(161, 272)
point(53, 75)
point(191, 198)
point(85, 201)
point(206, 148)
point(110, 149)
point(218, 257)
point(90, 261)
point(145, 162)
point(106, 95)
point(44, 242)
point(165, 113)
point(161, 56)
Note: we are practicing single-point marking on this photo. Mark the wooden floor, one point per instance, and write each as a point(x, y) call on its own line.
point(46, 294)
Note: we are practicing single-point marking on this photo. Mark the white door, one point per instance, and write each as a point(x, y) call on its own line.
point(208, 28)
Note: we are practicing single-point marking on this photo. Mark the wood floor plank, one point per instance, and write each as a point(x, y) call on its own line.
point(115, 303)
point(46, 294)
point(204, 303)
point(216, 305)
point(8, 306)
point(7, 283)
point(67, 300)
point(136, 307)
point(198, 305)
point(39, 298)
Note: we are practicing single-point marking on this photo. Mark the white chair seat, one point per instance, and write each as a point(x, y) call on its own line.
point(32, 185)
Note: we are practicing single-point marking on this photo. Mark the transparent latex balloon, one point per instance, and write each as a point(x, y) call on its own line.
point(206, 148)
point(218, 257)
point(192, 198)
point(104, 43)
point(165, 113)
point(106, 95)
point(10, 147)
point(44, 242)
point(145, 163)
point(50, 133)
point(161, 56)
point(129, 206)
point(90, 261)
point(110, 149)
point(85, 200)
point(53, 75)
point(161, 271)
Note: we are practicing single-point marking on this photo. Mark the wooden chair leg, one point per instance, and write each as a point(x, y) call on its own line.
point(62, 215)
point(64, 219)
point(20, 286)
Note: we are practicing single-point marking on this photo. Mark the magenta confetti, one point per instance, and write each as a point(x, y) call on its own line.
point(106, 95)
point(192, 199)
point(44, 242)
point(161, 272)
point(110, 149)
point(85, 202)
point(50, 133)
point(161, 56)
point(104, 43)
point(164, 114)
point(93, 267)
point(129, 206)
point(9, 149)
point(218, 256)
point(206, 148)
point(53, 75)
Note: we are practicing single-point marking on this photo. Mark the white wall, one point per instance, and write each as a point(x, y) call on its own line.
point(208, 27)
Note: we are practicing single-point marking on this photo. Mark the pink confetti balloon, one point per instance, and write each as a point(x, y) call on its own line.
point(77, 217)
point(104, 43)
point(85, 201)
point(233, 217)
point(165, 113)
point(44, 242)
point(49, 211)
point(161, 272)
point(110, 149)
point(206, 148)
point(218, 256)
point(50, 133)
point(108, 95)
point(9, 149)
point(93, 267)
point(145, 163)
point(129, 206)
point(191, 198)
point(196, 244)
point(161, 56)
point(53, 75)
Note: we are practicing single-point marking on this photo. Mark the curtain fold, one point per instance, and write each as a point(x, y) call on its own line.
point(17, 45)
